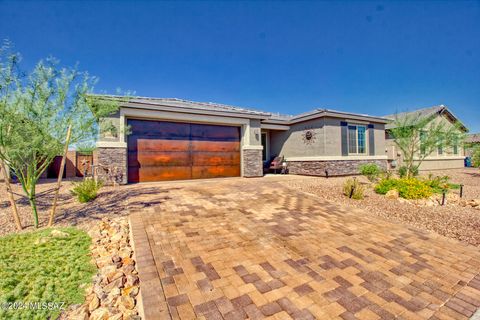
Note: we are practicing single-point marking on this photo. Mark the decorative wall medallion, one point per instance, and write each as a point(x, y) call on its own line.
point(308, 136)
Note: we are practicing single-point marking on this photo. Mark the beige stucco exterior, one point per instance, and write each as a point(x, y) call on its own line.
point(327, 144)
point(435, 161)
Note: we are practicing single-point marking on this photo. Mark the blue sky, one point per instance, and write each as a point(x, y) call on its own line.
point(288, 57)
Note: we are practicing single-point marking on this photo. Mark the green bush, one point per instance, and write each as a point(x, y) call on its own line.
point(386, 185)
point(86, 190)
point(371, 171)
point(438, 184)
point(408, 188)
point(354, 184)
point(476, 157)
point(413, 188)
point(402, 171)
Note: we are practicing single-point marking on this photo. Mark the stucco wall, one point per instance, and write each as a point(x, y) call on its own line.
point(327, 142)
point(447, 160)
point(442, 164)
point(291, 144)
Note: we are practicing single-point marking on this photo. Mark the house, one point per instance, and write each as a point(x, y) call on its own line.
point(442, 158)
point(174, 139)
point(472, 141)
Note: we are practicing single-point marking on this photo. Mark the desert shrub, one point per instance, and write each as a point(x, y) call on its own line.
point(408, 188)
point(413, 188)
point(402, 171)
point(438, 184)
point(386, 185)
point(353, 184)
point(476, 157)
point(86, 190)
point(371, 171)
point(387, 174)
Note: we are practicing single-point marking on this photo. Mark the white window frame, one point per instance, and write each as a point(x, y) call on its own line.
point(365, 138)
point(441, 146)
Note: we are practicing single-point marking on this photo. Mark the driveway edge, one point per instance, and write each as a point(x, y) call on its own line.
point(151, 290)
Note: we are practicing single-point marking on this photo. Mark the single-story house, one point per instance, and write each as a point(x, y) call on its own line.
point(171, 139)
point(443, 158)
point(472, 141)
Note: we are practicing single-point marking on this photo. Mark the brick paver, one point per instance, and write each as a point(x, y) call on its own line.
point(252, 248)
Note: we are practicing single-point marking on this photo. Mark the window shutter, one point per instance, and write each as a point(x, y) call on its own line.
point(371, 139)
point(344, 127)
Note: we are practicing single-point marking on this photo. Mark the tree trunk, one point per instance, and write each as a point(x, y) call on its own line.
point(16, 218)
point(60, 176)
point(33, 204)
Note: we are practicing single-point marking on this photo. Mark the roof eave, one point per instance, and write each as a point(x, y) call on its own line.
point(192, 110)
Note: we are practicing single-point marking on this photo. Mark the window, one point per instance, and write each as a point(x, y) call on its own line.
point(440, 147)
point(357, 139)
point(361, 139)
point(455, 146)
point(423, 136)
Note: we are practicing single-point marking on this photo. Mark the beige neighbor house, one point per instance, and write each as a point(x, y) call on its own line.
point(173, 139)
point(443, 158)
point(472, 141)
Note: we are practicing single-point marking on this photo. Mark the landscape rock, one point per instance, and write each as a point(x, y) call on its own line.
point(118, 316)
point(392, 194)
point(94, 303)
point(100, 314)
point(115, 286)
point(127, 302)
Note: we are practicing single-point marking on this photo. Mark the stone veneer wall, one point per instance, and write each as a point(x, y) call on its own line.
point(112, 158)
point(334, 167)
point(252, 163)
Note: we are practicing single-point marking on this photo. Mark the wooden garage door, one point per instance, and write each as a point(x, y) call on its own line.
point(161, 150)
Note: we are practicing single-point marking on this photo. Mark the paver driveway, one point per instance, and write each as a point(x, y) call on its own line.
point(238, 248)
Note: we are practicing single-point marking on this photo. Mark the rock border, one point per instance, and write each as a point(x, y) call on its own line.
point(113, 295)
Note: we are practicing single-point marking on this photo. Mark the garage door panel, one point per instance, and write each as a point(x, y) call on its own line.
point(216, 159)
point(220, 146)
point(218, 133)
point(205, 172)
point(157, 158)
point(165, 173)
point(160, 129)
point(148, 145)
point(162, 150)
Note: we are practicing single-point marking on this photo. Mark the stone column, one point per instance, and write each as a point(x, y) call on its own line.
point(252, 161)
point(115, 159)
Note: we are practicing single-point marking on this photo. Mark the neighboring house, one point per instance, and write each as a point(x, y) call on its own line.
point(472, 141)
point(173, 139)
point(442, 158)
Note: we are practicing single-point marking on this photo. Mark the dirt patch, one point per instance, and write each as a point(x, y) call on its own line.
point(111, 202)
point(454, 221)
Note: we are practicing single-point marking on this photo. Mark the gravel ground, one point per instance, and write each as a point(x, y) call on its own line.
point(111, 202)
point(454, 221)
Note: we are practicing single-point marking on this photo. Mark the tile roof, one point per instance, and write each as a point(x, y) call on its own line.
point(421, 114)
point(208, 106)
point(473, 138)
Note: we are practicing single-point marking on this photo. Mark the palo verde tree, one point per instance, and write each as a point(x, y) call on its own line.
point(419, 137)
point(37, 109)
